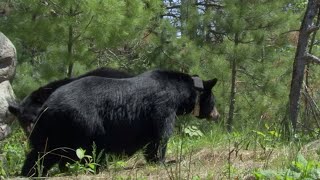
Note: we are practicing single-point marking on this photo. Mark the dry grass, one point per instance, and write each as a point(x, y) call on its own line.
point(206, 163)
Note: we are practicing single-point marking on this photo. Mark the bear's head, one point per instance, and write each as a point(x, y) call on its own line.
point(205, 106)
point(26, 113)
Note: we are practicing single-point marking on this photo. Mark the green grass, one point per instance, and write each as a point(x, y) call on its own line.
point(200, 151)
point(12, 153)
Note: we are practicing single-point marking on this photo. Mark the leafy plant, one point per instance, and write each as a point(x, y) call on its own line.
point(299, 169)
point(267, 137)
point(119, 164)
point(12, 154)
point(86, 164)
point(193, 131)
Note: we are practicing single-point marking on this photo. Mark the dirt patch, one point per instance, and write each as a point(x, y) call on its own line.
point(206, 163)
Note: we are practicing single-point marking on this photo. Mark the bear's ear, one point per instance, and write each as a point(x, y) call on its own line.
point(208, 85)
point(14, 109)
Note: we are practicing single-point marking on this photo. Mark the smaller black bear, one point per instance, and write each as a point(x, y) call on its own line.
point(120, 116)
point(28, 109)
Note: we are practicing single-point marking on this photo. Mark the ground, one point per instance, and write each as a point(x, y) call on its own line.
point(203, 163)
point(203, 157)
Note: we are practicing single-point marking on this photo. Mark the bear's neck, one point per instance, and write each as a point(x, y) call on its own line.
point(196, 109)
point(189, 102)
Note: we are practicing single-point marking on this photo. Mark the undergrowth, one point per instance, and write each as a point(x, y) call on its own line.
point(300, 168)
point(196, 151)
point(12, 153)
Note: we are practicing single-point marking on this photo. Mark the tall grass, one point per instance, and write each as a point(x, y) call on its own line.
point(196, 151)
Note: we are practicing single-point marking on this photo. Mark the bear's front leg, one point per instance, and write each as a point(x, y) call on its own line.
point(29, 166)
point(164, 125)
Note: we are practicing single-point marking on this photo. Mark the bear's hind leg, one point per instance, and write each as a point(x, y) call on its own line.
point(35, 165)
point(155, 152)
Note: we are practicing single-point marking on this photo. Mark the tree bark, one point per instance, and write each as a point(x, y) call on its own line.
point(70, 44)
point(233, 87)
point(300, 61)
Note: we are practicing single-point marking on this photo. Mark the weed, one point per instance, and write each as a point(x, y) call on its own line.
point(299, 169)
point(12, 153)
point(86, 163)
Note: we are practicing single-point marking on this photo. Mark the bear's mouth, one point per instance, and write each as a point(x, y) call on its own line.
point(214, 115)
point(30, 128)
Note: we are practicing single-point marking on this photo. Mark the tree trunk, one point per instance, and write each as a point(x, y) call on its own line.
point(307, 114)
point(300, 61)
point(233, 87)
point(70, 44)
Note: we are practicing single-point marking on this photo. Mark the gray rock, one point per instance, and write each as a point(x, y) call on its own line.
point(8, 62)
point(6, 118)
point(5, 130)
point(6, 95)
point(8, 59)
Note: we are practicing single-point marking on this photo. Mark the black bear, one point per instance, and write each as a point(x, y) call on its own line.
point(120, 116)
point(29, 107)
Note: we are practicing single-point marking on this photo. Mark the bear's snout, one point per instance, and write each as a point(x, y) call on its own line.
point(214, 114)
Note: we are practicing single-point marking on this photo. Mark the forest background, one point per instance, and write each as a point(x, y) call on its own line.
point(249, 45)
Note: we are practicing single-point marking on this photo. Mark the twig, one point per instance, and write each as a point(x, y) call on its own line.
point(75, 38)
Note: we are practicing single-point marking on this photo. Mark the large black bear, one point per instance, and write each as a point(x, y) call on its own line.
point(28, 109)
point(120, 115)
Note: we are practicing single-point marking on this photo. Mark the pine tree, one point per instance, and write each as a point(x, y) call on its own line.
point(302, 58)
point(53, 36)
point(245, 24)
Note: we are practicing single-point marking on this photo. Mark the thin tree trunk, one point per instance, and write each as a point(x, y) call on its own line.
point(70, 44)
point(300, 61)
point(233, 88)
point(307, 114)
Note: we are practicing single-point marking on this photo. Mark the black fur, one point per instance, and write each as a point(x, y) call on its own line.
point(120, 115)
point(28, 109)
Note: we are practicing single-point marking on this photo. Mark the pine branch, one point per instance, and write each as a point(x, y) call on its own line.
point(312, 58)
point(196, 4)
point(290, 31)
point(85, 29)
point(169, 14)
point(58, 7)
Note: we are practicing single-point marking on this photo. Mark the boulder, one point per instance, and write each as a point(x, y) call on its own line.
point(5, 130)
point(8, 61)
point(6, 118)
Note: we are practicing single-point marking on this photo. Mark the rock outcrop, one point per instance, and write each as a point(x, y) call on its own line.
point(8, 62)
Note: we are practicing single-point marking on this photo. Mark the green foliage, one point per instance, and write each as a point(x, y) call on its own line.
point(136, 36)
point(12, 152)
point(190, 127)
point(268, 138)
point(60, 33)
point(87, 163)
point(192, 131)
point(118, 164)
point(299, 169)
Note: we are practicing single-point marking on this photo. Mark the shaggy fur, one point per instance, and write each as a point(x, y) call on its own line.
point(30, 106)
point(120, 115)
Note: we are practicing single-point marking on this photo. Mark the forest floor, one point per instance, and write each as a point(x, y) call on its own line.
point(206, 163)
